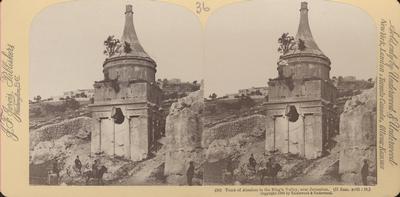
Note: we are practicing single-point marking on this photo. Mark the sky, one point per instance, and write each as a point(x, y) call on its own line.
point(241, 41)
point(66, 42)
point(237, 49)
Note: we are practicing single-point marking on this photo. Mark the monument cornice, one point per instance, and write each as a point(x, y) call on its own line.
point(121, 61)
point(307, 57)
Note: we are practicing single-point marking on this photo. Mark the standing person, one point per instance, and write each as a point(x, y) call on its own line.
point(252, 163)
point(55, 168)
point(231, 170)
point(95, 168)
point(275, 169)
point(263, 173)
point(78, 164)
point(269, 169)
point(190, 173)
point(53, 174)
point(229, 167)
point(365, 172)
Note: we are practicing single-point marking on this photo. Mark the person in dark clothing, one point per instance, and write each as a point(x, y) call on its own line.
point(190, 173)
point(266, 172)
point(263, 173)
point(55, 168)
point(252, 163)
point(230, 176)
point(95, 167)
point(365, 172)
point(269, 169)
point(78, 164)
point(229, 167)
point(275, 169)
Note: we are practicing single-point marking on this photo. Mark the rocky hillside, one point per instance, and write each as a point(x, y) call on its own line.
point(210, 140)
point(357, 140)
point(62, 142)
point(46, 113)
point(236, 138)
point(233, 140)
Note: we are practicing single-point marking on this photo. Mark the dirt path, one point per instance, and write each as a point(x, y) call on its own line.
point(318, 172)
point(141, 173)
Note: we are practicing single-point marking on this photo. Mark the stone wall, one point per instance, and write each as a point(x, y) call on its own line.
point(107, 91)
point(81, 125)
point(279, 89)
point(306, 66)
point(126, 70)
point(357, 140)
point(131, 136)
point(254, 124)
point(305, 135)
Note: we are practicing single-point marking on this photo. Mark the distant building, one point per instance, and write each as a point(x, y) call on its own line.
point(56, 98)
point(349, 78)
point(174, 81)
point(174, 88)
point(254, 91)
point(231, 96)
point(350, 86)
point(80, 93)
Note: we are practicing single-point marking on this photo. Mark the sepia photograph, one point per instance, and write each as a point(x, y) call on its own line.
point(140, 93)
point(199, 98)
point(115, 95)
point(296, 103)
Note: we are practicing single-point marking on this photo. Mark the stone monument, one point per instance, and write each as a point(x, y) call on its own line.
point(301, 117)
point(126, 109)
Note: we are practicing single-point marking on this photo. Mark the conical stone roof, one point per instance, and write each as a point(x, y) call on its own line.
point(129, 36)
point(304, 34)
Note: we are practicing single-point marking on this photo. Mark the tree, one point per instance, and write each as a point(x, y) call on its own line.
point(83, 95)
point(127, 47)
point(38, 98)
point(165, 81)
point(301, 45)
point(286, 42)
point(112, 46)
point(213, 96)
point(257, 92)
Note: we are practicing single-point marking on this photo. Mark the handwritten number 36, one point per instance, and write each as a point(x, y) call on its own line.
point(200, 6)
